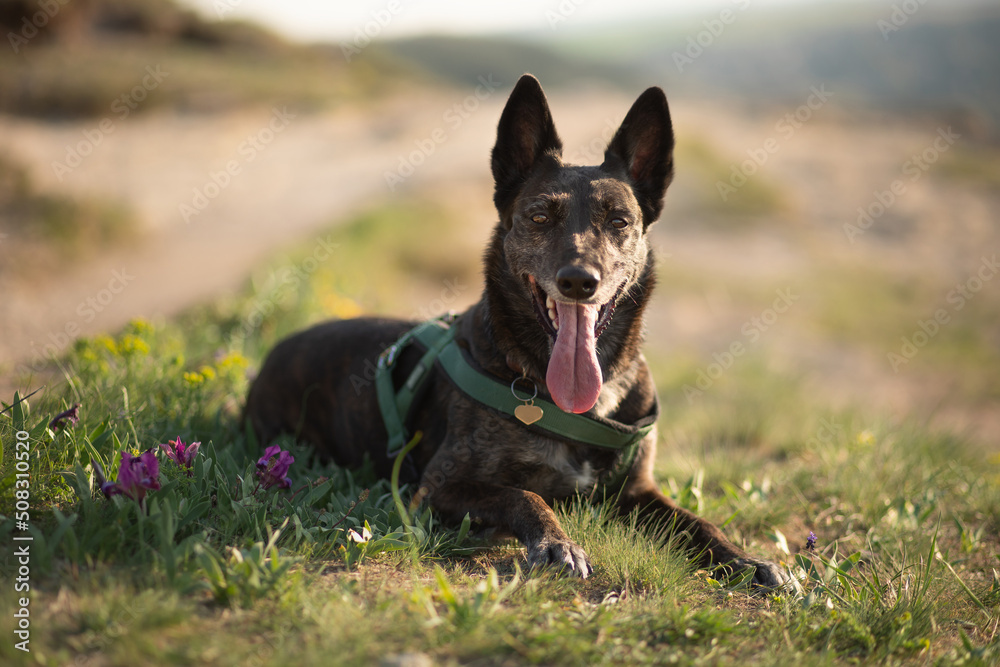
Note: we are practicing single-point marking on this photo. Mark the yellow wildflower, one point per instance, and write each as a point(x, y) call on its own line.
point(106, 342)
point(140, 326)
point(193, 379)
point(130, 344)
point(232, 361)
point(341, 307)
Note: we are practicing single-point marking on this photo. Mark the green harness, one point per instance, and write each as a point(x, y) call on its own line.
point(437, 338)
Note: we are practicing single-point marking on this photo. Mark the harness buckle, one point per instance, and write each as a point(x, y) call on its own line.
point(388, 356)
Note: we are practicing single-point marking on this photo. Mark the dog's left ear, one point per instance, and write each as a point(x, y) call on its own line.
point(525, 136)
point(643, 147)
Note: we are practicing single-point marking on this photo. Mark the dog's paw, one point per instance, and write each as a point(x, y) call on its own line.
point(761, 573)
point(561, 553)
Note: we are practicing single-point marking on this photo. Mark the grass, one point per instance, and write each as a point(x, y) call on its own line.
point(215, 569)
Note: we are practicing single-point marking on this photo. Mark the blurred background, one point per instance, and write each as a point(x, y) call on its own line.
point(836, 210)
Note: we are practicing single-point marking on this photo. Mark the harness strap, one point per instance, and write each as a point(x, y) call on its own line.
point(588, 430)
point(396, 405)
point(438, 338)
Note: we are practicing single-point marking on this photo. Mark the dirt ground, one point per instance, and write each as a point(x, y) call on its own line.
point(312, 170)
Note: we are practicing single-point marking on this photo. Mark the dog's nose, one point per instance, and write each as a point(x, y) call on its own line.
point(576, 282)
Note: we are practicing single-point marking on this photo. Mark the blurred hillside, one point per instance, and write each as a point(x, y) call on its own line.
point(940, 61)
point(79, 60)
point(461, 61)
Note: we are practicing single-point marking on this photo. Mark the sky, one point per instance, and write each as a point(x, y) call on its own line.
point(339, 20)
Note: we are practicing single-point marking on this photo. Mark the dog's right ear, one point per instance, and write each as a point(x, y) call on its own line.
point(643, 147)
point(525, 135)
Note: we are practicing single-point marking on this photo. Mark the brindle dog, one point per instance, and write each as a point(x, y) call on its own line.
point(568, 274)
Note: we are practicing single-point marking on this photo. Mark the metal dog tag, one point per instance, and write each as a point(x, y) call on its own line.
point(528, 413)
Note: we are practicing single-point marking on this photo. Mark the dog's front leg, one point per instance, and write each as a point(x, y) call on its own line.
point(707, 542)
point(516, 511)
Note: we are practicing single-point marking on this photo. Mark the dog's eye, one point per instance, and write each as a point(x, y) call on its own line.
point(539, 219)
point(619, 223)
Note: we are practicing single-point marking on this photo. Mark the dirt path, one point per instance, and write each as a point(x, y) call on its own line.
point(283, 188)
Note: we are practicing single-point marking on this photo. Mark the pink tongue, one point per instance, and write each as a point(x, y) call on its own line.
point(574, 376)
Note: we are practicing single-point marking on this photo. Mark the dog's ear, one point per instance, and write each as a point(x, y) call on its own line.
point(525, 135)
point(643, 147)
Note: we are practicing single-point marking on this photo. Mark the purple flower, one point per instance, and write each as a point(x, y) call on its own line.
point(72, 416)
point(181, 454)
point(272, 468)
point(136, 476)
point(811, 541)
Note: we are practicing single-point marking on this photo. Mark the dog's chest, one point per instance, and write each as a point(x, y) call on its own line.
point(566, 469)
point(487, 448)
point(553, 468)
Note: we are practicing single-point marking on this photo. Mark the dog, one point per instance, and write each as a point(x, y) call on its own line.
point(568, 274)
